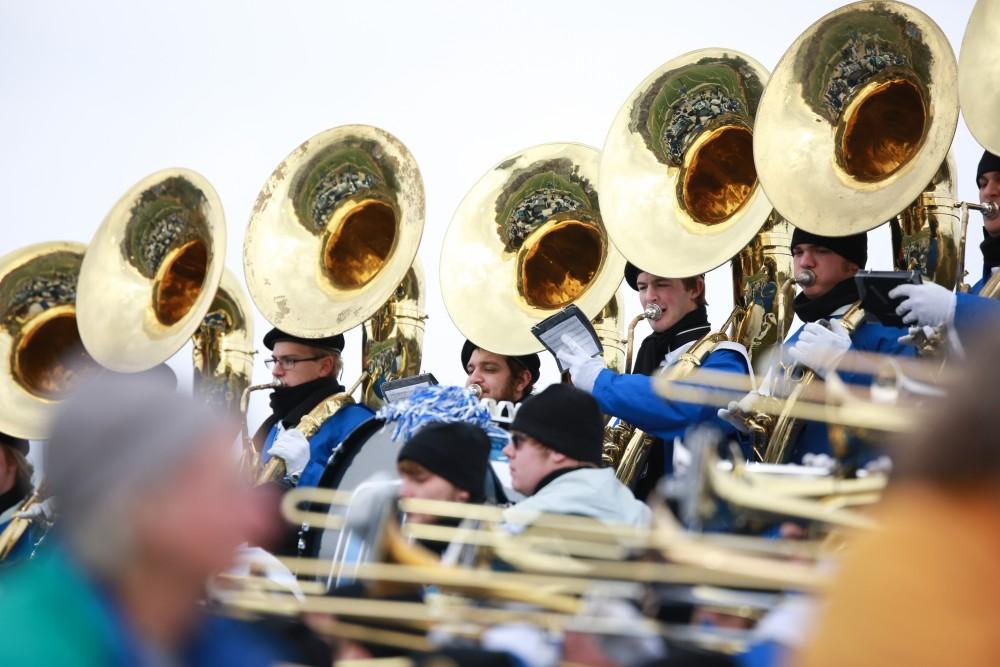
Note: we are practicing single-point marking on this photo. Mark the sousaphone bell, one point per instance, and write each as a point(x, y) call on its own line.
point(527, 240)
point(39, 339)
point(151, 271)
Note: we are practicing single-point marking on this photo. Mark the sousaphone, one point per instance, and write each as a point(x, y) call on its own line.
point(39, 339)
point(334, 231)
point(979, 74)
point(857, 118)
point(151, 272)
point(527, 240)
point(679, 186)
point(331, 244)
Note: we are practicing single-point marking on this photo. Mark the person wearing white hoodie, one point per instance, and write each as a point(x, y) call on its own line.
point(555, 459)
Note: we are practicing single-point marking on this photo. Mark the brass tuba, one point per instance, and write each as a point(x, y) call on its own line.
point(151, 271)
point(527, 240)
point(332, 242)
point(865, 103)
point(39, 335)
point(680, 196)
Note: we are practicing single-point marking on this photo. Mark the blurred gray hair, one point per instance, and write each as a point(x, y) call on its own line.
point(111, 439)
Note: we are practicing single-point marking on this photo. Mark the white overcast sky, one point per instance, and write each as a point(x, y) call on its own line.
point(95, 95)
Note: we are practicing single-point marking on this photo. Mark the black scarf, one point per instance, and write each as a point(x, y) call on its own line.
point(991, 249)
point(843, 293)
point(16, 493)
point(290, 404)
point(689, 328)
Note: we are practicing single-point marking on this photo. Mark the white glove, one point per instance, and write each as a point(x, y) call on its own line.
point(293, 448)
point(917, 335)
point(738, 411)
point(582, 367)
point(819, 348)
point(927, 304)
point(42, 511)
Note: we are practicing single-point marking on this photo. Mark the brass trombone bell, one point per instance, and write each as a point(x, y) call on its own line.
point(979, 74)
point(679, 188)
point(150, 273)
point(334, 230)
point(39, 340)
point(857, 117)
point(526, 240)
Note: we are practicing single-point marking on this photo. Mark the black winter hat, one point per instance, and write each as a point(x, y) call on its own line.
point(853, 248)
point(20, 444)
point(529, 361)
point(457, 451)
point(329, 343)
point(565, 419)
point(632, 275)
point(989, 162)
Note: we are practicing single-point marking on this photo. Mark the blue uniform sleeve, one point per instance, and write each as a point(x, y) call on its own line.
point(974, 313)
point(631, 398)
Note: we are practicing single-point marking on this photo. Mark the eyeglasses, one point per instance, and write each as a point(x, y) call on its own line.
point(518, 439)
point(288, 363)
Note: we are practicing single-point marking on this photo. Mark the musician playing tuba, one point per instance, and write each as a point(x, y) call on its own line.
point(500, 377)
point(683, 322)
point(15, 488)
point(833, 261)
point(308, 369)
point(931, 305)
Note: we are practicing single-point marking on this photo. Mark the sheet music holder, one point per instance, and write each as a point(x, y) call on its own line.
point(397, 390)
point(570, 321)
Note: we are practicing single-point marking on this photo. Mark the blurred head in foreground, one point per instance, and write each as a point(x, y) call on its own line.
point(923, 588)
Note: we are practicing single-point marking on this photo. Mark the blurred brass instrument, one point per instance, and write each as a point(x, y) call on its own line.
point(331, 244)
point(222, 347)
point(608, 325)
point(392, 338)
point(527, 240)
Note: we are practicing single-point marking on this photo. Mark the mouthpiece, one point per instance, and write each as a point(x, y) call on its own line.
point(653, 312)
point(805, 278)
point(990, 210)
point(475, 390)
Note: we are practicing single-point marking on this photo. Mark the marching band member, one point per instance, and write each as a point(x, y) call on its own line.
point(151, 504)
point(555, 460)
point(15, 487)
point(930, 304)
point(308, 370)
point(834, 260)
point(631, 397)
point(501, 378)
point(444, 461)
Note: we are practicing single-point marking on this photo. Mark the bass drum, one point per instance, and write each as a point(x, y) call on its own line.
point(368, 453)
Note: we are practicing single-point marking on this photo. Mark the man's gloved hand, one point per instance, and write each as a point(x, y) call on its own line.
point(917, 336)
point(293, 448)
point(583, 368)
point(819, 348)
point(737, 412)
point(927, 304)
point(43, 511)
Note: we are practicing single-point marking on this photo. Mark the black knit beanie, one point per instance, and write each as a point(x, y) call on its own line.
point(19, 444)
point(529, 361)
point(456, 451)
point(853, 248)
point(989, 162)
point(565, 419)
